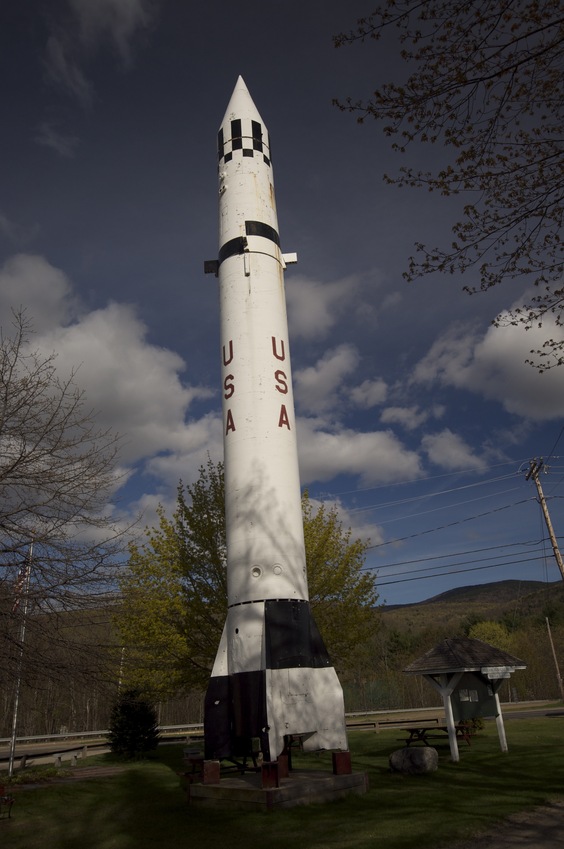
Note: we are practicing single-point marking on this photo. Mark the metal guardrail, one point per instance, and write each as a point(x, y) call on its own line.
point(93, 735)
point(198, 726)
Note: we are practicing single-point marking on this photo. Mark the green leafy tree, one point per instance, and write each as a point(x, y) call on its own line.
point(342, 596)
point(494, 633)
point(133, 726)
point(175, 592)
point(485, 80)
point(175, 589)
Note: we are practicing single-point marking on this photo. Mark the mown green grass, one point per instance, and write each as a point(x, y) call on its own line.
point(145, 806)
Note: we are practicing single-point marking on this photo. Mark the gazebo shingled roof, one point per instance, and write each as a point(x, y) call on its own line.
point(462, 654)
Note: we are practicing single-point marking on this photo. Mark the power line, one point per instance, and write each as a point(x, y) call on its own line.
point(422, 479)
point(435, 494)
point(451, 524)
point(452, 572)
point(454, 554)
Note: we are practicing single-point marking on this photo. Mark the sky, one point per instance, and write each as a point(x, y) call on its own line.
point(416, 416)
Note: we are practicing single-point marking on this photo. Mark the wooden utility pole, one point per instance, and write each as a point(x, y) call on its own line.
point(558, 676)
point(534, 468)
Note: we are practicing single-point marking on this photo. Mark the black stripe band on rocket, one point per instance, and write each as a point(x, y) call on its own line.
point(252, 228)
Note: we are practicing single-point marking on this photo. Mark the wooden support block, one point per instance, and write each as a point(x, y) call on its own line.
point(283, 766)
point(342, 763)
point(270, 775)
point(211, 772)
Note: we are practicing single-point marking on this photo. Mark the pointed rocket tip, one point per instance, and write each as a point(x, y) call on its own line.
point(241, 85)
point(241, 103)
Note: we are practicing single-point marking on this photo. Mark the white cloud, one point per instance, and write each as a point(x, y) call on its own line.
point(94, 23)
point(63, 69)
point(316, 388)
point(28, 282)
point(493, 366)
point(117, 21)
point(314, 307)
point(135, 385)
point(409, 417)
point(370, 393)
point(450, 451)
point(377, 457)
point(49, 136)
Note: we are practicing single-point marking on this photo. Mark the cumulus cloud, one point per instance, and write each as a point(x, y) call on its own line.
point(315, 307)
point(317, 387)
point(370, 393)
point(494, 366)
point(377, 457)
point(136, 386)
point(449, 451)
point(137, 389)
point(410, 417)
point(29, 283)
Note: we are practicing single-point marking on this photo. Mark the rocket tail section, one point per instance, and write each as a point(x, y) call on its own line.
point(295, 694)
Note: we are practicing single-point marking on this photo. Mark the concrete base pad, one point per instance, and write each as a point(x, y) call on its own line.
point(302, 787)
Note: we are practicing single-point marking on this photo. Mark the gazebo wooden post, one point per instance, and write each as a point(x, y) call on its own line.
point(500, 724)
point(446, 685)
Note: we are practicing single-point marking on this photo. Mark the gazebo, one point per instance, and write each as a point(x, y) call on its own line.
point(468, 674)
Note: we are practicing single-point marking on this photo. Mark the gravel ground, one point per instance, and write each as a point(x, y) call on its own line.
point(540, 828)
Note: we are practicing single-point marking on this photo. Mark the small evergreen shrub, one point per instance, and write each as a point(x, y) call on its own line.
point(133, 726)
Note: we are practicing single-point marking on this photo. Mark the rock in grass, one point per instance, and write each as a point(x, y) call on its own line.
point(415, 760)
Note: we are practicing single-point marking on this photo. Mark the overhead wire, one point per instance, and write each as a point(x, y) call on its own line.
point(442, 574)
point(450, 524)
point(453, 554)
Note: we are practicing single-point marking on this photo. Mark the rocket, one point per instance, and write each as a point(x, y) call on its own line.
point(272, 679)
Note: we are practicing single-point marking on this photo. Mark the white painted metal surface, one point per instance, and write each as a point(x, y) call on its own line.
point(272, 677)
point(265, 544)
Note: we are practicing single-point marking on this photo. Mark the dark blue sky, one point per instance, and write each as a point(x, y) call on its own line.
point(415, 413)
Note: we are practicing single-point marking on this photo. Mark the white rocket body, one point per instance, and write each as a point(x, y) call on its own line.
point(272, 677)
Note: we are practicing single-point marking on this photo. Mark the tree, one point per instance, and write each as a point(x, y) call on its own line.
point(175, 590)
point(58, 544)
point(485, 79)
point(494, 633)
point(133, 726)
point(342, 596)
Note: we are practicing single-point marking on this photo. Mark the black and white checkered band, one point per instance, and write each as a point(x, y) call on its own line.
point(246, 140)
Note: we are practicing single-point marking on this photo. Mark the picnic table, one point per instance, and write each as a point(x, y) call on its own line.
point(424, 733)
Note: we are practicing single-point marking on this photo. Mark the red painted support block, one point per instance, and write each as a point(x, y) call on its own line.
point(283, 766)
point(342, 763)
point(270, 775)
point(211, 773)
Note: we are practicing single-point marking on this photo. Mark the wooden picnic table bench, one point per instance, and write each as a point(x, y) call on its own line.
point(424, 733)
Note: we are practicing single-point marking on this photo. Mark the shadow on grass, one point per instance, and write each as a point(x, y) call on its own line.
point(145, 806)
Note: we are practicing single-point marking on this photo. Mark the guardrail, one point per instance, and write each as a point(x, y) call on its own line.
point(198, 726)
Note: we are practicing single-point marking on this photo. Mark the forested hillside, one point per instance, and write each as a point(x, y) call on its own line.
point(71, 665)
point(509, 614)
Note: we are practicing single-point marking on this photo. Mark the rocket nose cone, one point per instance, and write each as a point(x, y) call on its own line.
point(241, 104)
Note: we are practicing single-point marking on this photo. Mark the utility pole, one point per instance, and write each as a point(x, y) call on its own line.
point(22, 592)
point(558, 676)
point(534, 468)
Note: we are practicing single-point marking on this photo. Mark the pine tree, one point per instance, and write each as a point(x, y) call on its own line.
point(133, 726)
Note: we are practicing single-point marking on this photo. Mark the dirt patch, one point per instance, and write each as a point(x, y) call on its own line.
point(539, 828)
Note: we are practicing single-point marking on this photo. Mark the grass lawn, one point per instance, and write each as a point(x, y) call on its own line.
point(145, 806)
